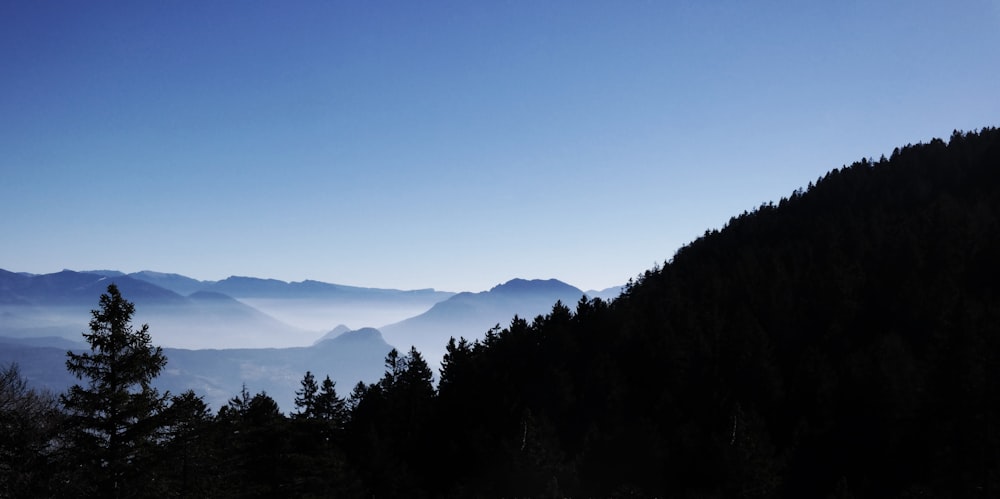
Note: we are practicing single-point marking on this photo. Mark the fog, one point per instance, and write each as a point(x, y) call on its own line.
point(256, 323)
point(321, 316)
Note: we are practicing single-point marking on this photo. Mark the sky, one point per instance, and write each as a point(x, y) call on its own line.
point(453, 145)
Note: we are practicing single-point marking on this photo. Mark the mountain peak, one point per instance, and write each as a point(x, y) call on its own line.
point(335, 332)
point(342, 335)
point(518, 285)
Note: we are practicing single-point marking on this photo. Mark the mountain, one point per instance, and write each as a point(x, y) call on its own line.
point(251, 287)
point(42, 316)
point(219, 374)
point(310, 305)
point(71, 288)
point(59, 304)
point(335, 332)
point(177, 283)
point(606, 293)
point(470, 315)
point(105, 273)
point(254, 287)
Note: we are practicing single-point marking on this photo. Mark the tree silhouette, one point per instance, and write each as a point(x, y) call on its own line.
point(29, 421)
point(330, 407)
point(114, 418)
point(187, 452)
point(305, 397)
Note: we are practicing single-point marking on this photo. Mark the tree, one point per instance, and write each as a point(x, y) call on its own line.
point(115, 418)
point(305, 398)
point(387, 434)
point(28, 422)
point(254, 438)
point(187, 452)
point(320, 403)
point(316, 442)
point(329, 406)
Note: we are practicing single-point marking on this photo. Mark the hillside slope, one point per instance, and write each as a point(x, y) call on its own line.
point(842, 342)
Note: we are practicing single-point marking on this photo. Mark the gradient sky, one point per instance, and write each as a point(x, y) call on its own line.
point(452, 145)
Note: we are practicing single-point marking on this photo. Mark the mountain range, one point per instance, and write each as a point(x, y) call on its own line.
point(265, 333)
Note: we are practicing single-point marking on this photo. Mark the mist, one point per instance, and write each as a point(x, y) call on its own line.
point(321, 316)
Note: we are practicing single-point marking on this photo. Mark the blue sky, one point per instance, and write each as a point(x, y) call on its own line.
point(452, 145)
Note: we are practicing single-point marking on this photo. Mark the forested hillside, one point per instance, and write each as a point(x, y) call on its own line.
point(842, 342)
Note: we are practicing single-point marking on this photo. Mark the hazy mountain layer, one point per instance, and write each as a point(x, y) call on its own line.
point(470, 315)
point(41, 316)
point(59, 304)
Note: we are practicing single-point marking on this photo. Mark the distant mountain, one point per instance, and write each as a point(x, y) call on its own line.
point(59, 304)
point(177, 283)
point(44, 341)
point(350, 337)
point(253, 287)
point(335, 332)
point(470, 315)
point(76, 288)
point(9, 282)
point(606, 293)
point(219, 375)
point(105, 273)
point(42, 316)
point(311, 305)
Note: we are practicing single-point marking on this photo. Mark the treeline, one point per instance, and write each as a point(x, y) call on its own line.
point(844, 342)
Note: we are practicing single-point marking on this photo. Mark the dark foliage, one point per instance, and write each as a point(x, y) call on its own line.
point(840, 343)
point(29, 422)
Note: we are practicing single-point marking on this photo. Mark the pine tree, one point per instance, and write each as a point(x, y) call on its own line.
point(115, 418)
point(187, 453)
point(329, 406)
point(305, 398)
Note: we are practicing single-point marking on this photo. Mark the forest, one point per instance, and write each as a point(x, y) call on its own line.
point(842, 342)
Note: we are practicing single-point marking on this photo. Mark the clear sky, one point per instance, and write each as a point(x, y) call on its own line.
point(453, 145)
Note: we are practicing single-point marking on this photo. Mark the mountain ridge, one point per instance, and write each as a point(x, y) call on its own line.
point(470, 315)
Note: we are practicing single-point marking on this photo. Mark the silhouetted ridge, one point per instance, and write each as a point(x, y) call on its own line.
point(838, 342)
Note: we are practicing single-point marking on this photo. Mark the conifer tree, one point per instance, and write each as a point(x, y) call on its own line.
point(305, 398)
point(114, 417)
point(329, 406)
point(187, 451)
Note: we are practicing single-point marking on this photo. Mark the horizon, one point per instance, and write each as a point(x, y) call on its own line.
point(451, 146)
point(266, 278)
